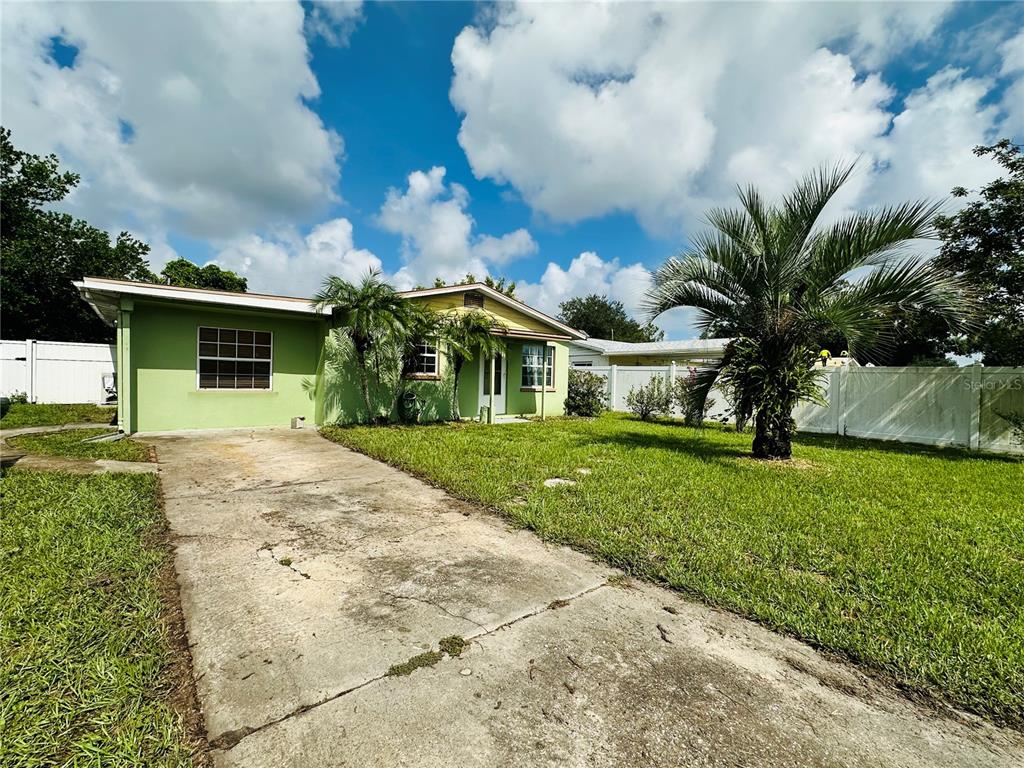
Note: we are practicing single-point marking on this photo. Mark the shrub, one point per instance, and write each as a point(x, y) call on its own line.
point(1016, 419)
point(693, 416)
point(652, 399)
point(586, 393)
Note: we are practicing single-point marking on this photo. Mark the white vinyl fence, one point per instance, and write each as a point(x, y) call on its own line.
point(933, 406)
point(56, 371)
point(620, 379)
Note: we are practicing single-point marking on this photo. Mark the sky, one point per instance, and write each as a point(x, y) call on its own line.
point(570, 147)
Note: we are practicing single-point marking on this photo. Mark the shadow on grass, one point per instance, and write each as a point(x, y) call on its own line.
point(701, 441)
point(691, 440)
point(950, 453)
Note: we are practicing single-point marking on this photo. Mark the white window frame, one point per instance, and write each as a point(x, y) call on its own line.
point(218, 328)
point(547, 349)
point(421, 355)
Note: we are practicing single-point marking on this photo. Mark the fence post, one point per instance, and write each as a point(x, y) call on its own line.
point(841, 373)
point(30, 369)
point(672, 384)
point(613, 386)
point(974, 429)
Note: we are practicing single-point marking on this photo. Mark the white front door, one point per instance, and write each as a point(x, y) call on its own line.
point(499, 383)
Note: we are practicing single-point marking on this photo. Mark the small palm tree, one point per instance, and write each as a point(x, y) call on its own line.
point(373, 316)
point(469, 333)
point(775, 280)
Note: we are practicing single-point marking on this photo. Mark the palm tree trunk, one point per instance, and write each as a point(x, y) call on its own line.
point(456, 367)
point(773, 433)
point(364, 382)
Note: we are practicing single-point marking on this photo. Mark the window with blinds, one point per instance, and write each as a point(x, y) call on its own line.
point(230, 358)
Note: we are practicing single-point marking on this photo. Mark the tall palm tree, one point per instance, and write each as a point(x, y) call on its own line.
point(775, 279)
point(373, 316)
point(467, 334)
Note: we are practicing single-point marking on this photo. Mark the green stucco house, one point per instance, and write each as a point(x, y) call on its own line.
point(199, 359)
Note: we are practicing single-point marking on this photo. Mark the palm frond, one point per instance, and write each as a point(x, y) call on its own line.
point(798, 215)
point(735, 224)
point(761, 217)
point(867, 239)
point(673, 286)
point(865, 311)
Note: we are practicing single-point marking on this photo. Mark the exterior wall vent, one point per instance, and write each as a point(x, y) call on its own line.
point(470, 299)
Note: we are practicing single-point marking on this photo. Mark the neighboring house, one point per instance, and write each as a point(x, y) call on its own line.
point(601, 352)
point(197, 359)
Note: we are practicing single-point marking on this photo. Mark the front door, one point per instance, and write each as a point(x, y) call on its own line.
point(499, 383)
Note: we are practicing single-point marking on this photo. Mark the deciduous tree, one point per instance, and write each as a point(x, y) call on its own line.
point(602, 318)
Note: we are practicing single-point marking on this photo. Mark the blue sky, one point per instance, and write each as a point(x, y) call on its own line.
point(407, 47)
point(568, 147)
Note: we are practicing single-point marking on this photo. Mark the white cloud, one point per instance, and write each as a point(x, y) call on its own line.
point(588, 274)
point(659, 110)
point(334, 20)
point(1012, 52)
point(929, 150)
point(296, 266)
point(438, 238)
point(190, 116)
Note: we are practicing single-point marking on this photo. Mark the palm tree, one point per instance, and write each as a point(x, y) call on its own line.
point(373, 316)
point(775, 280)
point(469, 333)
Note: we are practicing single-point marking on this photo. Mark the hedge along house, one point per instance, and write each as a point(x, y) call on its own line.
point(190, 358)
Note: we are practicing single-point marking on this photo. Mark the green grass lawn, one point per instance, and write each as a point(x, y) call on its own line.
point(46, 414)
point(83, 646)
point(905, 559)
point(70, 443)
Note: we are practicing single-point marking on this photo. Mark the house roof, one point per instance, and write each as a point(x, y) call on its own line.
point(679, 347)
point(501, 298)
point(104, 295)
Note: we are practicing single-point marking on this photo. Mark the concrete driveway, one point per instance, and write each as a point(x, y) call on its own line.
point(307, 571)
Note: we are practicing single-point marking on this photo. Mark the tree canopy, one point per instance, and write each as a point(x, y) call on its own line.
point(602, 318)
point(44, 251)
point(984, 242)
point(184, 273)
point(501, 284)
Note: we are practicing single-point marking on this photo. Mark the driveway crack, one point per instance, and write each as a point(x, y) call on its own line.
point(230, 739)
point(429, 602)
point(555, 605)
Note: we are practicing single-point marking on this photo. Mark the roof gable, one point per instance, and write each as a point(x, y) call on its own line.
point(512, 312)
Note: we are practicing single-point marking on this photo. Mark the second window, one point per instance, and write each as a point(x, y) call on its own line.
point(533, 365)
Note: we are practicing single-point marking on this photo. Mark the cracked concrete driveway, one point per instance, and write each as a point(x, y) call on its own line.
point(307, 571)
